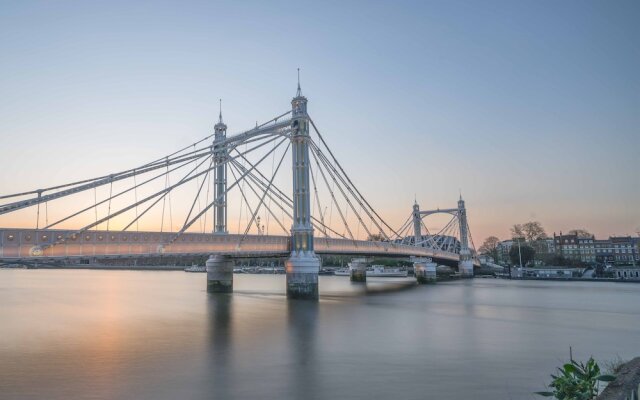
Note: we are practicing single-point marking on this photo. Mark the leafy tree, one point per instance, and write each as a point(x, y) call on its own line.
point(581, 233)
point(490, 247)
point(531, 231)
point(375, 237)
point(527, 252)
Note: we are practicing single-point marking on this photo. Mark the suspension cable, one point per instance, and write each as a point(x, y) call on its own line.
point(315, 191)
point(282, 197)
point(240, 188)
point(164, 195)
point(109, 208)
point(346, 197)
point(184, 228)
point(334, 173)
point(253, 216)
point(333, 197)
point(347, 177)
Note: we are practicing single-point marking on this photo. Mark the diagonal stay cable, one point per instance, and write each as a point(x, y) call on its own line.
point(284, 198)
point(346, 197)
point(430, 238)
point(346, 176)
point(335, 173)
point(315, 190)
point(333, 197)
point(197, 198)
point(287, 211)
point(240, 188)
point(186, 226)
point(154, 164)
point(404, 225)
point(10, 207)
point(163, 191)
point(264, 194)
point(195, 169)
point(253, 216)
point(234, 167)
point(111, 197)
point(86, 184)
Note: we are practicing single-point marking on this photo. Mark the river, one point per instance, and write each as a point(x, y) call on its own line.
point(90, 334)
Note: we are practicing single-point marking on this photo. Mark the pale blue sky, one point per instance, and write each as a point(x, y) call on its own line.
point(532, 108)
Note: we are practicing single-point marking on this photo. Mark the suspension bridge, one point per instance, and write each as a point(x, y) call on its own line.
point(180, 205)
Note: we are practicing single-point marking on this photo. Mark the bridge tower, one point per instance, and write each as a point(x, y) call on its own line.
point(220, 156)
point(417, 220)
point(303, 265)
point(219, 267)
point(423, 269)
point(465, 266)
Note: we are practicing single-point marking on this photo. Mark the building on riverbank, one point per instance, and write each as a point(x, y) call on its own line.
point(616, 250)
point(626, 273)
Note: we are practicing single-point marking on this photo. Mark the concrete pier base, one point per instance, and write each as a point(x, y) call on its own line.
point(425, 272)
point(219, 274)
point(466, 268)
point(358, 270)
point(302, 276)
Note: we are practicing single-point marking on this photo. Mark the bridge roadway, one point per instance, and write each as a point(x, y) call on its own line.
point(29, 244)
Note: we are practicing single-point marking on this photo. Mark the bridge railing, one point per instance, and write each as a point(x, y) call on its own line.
point(26, 243)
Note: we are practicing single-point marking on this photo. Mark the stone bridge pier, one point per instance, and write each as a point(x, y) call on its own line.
point(358, 270)
point(425, 271)
point(219, 274)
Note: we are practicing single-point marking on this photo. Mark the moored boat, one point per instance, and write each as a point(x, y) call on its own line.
point(196, 268)
point(379, 271)
point(341, 272)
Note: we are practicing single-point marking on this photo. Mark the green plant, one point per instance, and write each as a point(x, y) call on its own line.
point(577, 381)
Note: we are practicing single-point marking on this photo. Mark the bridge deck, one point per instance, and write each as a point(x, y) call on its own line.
point(31, 244)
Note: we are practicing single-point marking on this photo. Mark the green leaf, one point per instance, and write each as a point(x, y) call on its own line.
point(606, 378)
point(545, 394)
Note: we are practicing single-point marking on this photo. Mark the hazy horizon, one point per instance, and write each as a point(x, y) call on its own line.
point(530, 109)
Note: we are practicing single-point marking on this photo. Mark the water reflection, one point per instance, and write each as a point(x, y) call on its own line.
point(157, 335)
point(302, 323)
point(220, 346)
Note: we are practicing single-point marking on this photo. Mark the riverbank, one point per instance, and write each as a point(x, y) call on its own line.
point(575, 279)
point(106, 267)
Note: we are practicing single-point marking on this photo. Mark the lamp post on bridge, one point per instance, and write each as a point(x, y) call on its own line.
point(303, 265)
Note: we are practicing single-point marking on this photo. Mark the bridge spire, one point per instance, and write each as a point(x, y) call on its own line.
point(220, 115)
point(299, 92)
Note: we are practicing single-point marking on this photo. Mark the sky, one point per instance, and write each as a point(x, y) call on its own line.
point(530, 109)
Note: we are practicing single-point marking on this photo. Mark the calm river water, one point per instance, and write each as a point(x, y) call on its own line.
point(83, 334)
